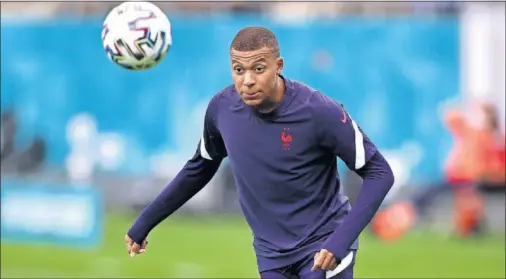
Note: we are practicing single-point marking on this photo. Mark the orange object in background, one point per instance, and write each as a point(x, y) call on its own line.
point(478, 152)
point(393, 222)
point(463, 163)
point(468, 210)
point(477, 156)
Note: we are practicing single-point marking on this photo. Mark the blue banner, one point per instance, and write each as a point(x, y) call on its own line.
point(51, 213)
point(390, 74)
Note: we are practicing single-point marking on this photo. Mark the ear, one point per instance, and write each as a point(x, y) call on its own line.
point(280, 64)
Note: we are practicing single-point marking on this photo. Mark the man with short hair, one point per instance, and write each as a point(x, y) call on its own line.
point(282, 138)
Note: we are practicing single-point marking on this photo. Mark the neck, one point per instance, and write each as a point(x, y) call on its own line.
point(270, 104)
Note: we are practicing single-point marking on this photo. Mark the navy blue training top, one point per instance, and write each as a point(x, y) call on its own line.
point(285, 169)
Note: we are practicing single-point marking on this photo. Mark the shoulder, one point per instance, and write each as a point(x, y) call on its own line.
point(320, 105)
point(220, 100)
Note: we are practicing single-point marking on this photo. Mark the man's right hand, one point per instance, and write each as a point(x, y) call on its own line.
point(134, 248)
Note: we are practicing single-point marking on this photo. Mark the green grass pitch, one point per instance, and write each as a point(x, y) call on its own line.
point(221, 248)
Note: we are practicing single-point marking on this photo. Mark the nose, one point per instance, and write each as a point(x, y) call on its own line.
point(249, 79)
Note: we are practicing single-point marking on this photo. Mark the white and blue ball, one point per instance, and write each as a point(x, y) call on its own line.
point(136, 35)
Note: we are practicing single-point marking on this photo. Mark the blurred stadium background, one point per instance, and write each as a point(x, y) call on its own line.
point(86, 145)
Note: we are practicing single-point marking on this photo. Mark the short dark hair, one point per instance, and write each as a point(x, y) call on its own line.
point(254, 38)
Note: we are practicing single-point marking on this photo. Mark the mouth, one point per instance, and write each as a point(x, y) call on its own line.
point(250, 95)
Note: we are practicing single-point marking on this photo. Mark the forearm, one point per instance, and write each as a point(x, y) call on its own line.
point(377, 181)
point(188, 182)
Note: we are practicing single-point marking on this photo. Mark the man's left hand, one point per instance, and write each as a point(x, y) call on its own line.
point(324, 260)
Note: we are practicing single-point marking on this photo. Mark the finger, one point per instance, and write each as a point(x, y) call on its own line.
point(327, 262)
point(128, 247)
point(128, 243)
point(318, 262)
point(333, 265)
point(143, 247)
point(314, 260)
point(135, 250)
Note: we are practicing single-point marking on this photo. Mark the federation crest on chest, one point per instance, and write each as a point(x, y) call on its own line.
point(286, 139)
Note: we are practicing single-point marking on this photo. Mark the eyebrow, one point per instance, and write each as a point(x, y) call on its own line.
point(260, 59)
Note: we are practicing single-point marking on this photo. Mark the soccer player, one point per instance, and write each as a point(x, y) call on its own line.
point(282, 138)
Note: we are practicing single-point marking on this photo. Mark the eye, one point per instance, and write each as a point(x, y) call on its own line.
point(259, 69)
point(238, 70)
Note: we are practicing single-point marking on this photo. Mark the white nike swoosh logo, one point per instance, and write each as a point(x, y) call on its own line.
point(342, 266)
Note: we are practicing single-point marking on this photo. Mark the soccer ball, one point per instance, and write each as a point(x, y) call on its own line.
point(136, 35)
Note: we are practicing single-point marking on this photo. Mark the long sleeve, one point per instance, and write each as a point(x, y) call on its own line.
point(196, 173)
point(338, 133)
point(377, 180)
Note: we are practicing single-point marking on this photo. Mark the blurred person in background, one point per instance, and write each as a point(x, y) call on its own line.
point(476, 162)
point(14, 160)
point(32, 158)
point(492, 139)
point(8, 133)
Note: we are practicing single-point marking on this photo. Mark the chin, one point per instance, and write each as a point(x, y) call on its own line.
point(253, 103)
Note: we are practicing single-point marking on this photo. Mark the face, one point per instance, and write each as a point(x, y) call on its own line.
point(255, 75)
